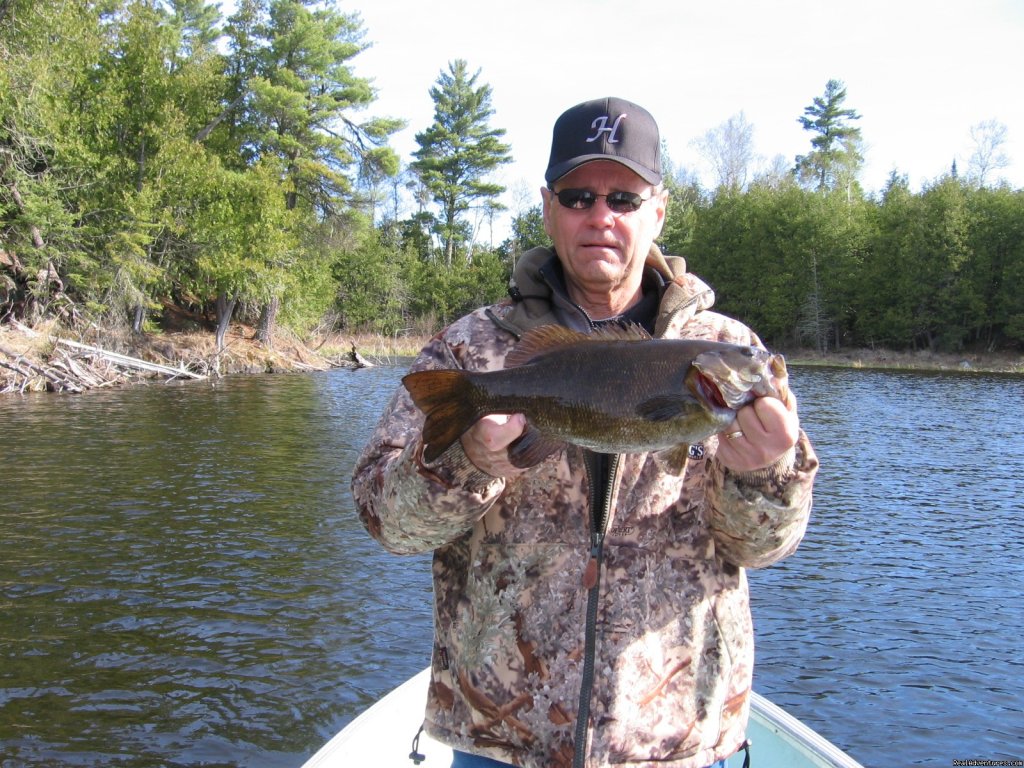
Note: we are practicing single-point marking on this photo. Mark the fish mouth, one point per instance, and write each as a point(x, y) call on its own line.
point(706, 390)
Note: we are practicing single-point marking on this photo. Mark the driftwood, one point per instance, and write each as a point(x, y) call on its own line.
point(132, 362)
point(28, 370)
point(76, 367)
point(358, 360)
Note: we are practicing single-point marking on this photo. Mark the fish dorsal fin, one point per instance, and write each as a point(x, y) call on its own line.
point(546, 338)
point(619, 332)
point(540, 340)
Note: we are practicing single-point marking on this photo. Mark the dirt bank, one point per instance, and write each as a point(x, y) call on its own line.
point(49, 358)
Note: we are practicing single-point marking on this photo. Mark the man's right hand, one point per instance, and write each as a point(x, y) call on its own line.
point(486, 443)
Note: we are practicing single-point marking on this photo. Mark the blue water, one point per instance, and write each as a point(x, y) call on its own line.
point(183, 580)
point(896, 627)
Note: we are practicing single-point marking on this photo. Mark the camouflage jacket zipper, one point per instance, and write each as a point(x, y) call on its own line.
point(599, 514)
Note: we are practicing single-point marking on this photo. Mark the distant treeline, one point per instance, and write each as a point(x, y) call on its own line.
point(154, 153)
point(942, 269)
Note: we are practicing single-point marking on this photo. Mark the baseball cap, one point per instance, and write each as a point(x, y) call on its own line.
point(606, 129)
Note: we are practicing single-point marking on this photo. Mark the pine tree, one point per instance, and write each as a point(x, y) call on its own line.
point(835, 158)
point(293, 74)
point(459, 150)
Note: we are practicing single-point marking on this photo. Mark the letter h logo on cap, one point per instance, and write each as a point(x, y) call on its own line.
point(601, 124)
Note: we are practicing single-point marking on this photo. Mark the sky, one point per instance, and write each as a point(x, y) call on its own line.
point(920, 73)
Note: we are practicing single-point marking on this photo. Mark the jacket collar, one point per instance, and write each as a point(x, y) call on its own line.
point(537, 289)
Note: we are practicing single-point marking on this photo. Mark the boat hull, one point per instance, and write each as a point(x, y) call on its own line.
point(382, 737)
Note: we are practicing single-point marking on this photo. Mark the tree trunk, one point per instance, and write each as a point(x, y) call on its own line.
point(138, 318)
point(225, 309)
point(268, 317)
point(208, 128)
point(141, 166)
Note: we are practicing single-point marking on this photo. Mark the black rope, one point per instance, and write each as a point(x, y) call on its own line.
point(416, 756)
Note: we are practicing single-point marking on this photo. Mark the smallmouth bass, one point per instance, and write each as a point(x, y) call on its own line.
point(615, 390)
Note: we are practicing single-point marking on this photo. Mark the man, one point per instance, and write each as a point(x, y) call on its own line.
point(540, 659)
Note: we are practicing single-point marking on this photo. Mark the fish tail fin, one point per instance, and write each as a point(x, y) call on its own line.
point(446, 397)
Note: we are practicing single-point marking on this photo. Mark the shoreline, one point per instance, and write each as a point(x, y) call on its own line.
point(918, 361)
point(49, 358)
point(387, 349)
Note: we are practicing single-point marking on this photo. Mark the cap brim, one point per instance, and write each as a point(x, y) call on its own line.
point(555, 172)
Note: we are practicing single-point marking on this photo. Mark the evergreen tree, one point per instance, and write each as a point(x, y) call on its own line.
point(835, 159)
point(43, 156)
point(527, 232)
point(294, 57)
point(458, 151)
point(305, 93)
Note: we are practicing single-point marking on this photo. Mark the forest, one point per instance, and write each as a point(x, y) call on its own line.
point(155, 154)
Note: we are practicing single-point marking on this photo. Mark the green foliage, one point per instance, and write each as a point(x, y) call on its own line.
point(684, 204)
point(937, 270)
point(996, 271)
point(148, 164)
point(374, 286)
point(40, 148)
point(527, 232)
point(446, 293)
point(835, 159)
point(148, 154)
point(458, 151)
point(911, 280)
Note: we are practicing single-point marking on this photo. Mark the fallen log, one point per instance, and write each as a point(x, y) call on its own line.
point(132, 362)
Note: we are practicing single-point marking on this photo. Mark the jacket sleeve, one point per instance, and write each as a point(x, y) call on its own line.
point(410, 506)
point(758, 518)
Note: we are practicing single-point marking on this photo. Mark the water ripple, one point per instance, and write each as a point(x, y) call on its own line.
point(183, 580)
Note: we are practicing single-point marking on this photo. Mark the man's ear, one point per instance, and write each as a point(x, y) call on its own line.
point(547, 198)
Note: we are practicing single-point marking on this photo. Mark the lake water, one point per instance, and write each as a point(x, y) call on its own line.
point(183, 580)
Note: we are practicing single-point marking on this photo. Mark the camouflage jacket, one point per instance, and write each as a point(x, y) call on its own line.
point(670, 632)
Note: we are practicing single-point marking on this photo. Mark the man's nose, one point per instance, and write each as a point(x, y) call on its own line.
point(600, 214)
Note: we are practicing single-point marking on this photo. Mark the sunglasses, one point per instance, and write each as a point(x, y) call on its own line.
point(584, 199)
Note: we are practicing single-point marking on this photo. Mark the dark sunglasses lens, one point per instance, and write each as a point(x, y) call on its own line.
point(580, 199)
point(624, 202)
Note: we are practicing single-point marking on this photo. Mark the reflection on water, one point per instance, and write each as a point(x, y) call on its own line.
point(183, 580)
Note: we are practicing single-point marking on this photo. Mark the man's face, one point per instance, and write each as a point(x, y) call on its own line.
point(603, 252)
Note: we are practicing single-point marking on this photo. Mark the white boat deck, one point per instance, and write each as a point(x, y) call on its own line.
point(381, 737)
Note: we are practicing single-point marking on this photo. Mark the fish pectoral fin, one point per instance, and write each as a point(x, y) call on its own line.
point(661, 408)
point(531, 448)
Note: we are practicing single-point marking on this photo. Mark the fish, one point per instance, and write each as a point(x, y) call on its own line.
point(614, 390)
